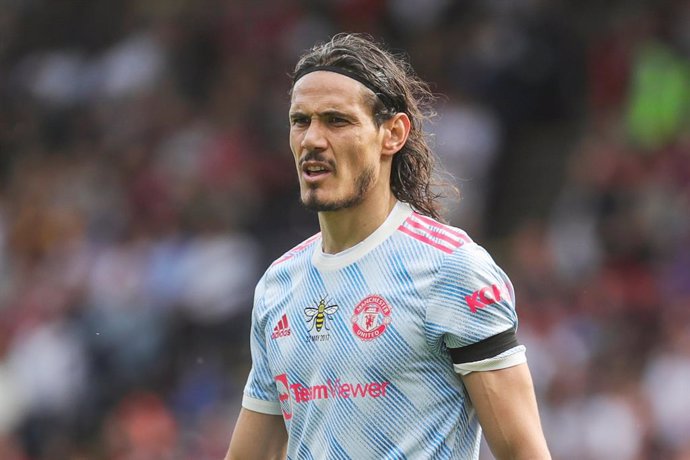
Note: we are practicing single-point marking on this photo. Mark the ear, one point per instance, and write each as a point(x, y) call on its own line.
point(395, 133)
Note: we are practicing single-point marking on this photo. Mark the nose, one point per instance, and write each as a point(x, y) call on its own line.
point(314, 137)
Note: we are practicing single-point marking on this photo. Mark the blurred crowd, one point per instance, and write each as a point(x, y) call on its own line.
point(146, 183)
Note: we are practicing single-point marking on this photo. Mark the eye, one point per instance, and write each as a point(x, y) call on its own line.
point(337, 121)
point(299, 120)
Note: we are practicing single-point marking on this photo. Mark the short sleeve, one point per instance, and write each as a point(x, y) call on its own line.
point(472, 309)
point(260, 393)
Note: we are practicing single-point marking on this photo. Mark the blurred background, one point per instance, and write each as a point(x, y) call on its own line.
point(146, 183)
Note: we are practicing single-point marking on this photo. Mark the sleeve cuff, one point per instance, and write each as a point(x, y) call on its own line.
point(261, 406)
point(510, 358)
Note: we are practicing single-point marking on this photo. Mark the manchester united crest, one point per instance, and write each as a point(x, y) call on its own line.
point(371, 317)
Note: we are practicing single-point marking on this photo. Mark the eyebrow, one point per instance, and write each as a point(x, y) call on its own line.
point(325, 113)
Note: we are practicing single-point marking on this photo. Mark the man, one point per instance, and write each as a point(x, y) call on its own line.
point(388, 334)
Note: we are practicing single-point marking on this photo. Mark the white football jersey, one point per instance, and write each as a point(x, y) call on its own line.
point(360, 351)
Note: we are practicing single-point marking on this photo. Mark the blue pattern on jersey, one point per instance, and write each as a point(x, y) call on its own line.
point(366, 358)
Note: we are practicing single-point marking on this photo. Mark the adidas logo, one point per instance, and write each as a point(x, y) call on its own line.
point(282, 329)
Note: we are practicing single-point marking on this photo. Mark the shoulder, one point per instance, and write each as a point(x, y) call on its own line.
point(454, 248)
point(463, 262)
point(457, 256)
point(434, 234)
point(472, 257)
point(301, 248)
point(279, 276)
point(295, 256)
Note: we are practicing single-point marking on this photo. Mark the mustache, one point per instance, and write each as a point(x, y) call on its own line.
point(314, 155)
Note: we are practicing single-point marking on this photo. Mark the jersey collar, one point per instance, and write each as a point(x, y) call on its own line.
point(398, 215)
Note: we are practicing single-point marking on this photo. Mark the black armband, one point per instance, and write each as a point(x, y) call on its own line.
point(484, 349)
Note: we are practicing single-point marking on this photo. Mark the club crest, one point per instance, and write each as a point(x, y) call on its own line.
point(371, 317)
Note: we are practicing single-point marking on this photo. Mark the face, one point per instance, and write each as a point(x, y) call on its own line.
point(335, 142)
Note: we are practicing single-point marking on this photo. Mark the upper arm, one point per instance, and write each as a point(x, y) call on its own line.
point(471, 309)
point(507, 409)
point(260, 392)
point(260, 430)
point(472, 298)
point(259, 436)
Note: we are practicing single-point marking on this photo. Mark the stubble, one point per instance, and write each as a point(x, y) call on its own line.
point(363, 183)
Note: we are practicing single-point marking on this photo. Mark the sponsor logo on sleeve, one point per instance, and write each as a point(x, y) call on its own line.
point(482, 298)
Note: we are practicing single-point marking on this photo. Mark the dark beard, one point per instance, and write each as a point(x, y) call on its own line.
point(363, 184)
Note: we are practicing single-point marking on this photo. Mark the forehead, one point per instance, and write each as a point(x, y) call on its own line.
point(323, 89)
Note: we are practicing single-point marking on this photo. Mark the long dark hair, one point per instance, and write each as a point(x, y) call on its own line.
point(398, 89)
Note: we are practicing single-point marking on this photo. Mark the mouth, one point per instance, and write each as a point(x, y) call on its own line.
point(313, 171)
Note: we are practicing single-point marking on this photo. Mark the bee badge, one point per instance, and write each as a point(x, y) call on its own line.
point(318, 316)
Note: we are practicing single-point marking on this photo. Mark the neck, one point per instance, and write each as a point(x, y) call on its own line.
point(342, 229)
